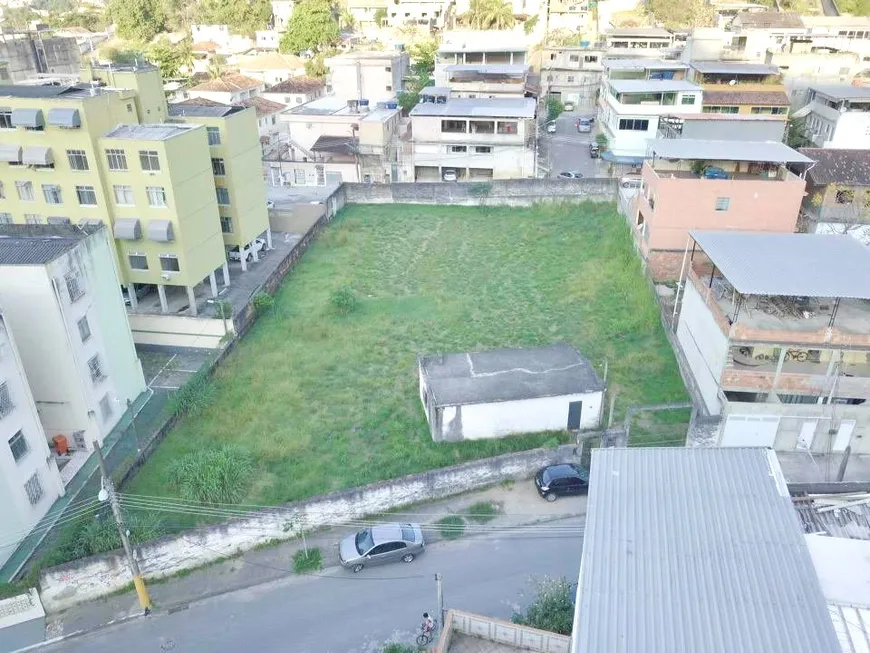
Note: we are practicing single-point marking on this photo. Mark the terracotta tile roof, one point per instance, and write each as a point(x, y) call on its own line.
point(837, 166)
point(229, 84)
point(756, 98)
point(271, 61)
point(263, 106)
point(205, 46)
point(770, 19)
point(297, 85)
point(198, 102)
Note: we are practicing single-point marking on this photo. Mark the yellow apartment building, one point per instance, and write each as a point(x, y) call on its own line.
point(741, 88)
point(72, 153)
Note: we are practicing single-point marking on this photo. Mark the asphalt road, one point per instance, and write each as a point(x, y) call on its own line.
point(340, 612)
point(568, 150)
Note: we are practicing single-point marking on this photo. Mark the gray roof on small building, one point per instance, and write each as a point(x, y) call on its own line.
point(652, 85)
point(842, 91)
point(643, 64)
point(150, 132)
point(735, 68)
point(435, 90)
point(508, 375)
point(704, 150)
point(793, 265)
point(696, 550)
point(202, 108)
point(478, 107)
point(770, 19)
point(838, 166)
point(25, 244)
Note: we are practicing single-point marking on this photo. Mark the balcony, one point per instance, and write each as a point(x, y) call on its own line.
point(662, 169)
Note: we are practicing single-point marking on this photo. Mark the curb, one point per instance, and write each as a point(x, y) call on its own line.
point(183, 605)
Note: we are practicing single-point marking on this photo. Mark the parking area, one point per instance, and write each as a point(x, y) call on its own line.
point(567, 150)
point(167, 369)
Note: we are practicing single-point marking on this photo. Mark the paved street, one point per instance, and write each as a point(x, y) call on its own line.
point(569, 150)
point(340, 612)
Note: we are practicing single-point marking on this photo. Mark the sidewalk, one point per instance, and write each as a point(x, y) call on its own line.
point(519, 505)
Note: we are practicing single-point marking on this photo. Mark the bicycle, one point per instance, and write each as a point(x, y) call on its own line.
point(427, 636)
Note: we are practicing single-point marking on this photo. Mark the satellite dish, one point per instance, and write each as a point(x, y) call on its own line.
point(733, 82)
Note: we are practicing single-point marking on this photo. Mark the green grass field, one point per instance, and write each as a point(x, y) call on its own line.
point(326, 400)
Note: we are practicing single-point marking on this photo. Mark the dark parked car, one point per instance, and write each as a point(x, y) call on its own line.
point(381, 544)
point(571, 174)
point(712, 172)
point(561, 480)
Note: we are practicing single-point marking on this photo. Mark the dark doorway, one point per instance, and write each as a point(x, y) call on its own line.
point(575, 408)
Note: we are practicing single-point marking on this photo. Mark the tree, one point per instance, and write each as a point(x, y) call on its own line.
point(170, 58)
point(90, 20)
point(348, 22)
point(797, 133)
point(423, 55)
point(137, 20)
point(380, 16)
point(682, 13)
point(554, 108)
point(241, 17)
point(311, 27)
point(19, 17)
point(530, 25)
point(316, 66)
point(410, 97)
point(216, 67)
point(123, 55)
point(553, 607)
point(489, 14)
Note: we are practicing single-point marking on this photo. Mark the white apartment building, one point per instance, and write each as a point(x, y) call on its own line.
point(474, 139)
point(571, 74)
point(478, 48)
point(629, 109)
point(373, 76)
point(60, 293)
point(837, 116)
point(29, 479)
point(487, 80)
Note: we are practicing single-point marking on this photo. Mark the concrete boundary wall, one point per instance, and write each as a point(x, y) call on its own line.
point(83, 580)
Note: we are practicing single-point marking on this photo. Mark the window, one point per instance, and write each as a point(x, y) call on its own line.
point(25, 191)
point(223, 196)
point(482, 127)
point(845, 196)
point(687, 99)
point(214, 135)
point(96, 368)
point(78, 159)
point(5, 218)
point(124, 195)
point(388, 69)
point(299, 176)
point(483, 149)
point(32, 218)
point(717, 109)
point(156, 196)
point(722, 203)
point(149, 160)
point(57, 219)
point(169, 263)
point(84, 329)
point(18, 445)
point(6, 119)
point(633, 124)
point(458, 149)
point(106, 407)
point(574, 58)
point(590, 58)
point(51, 192)
point(217, 167)
point(86, 195)
point(769, 111)
point(507, 127)
point(117, 159)
point(6, 404)
point(570, 79)
point(389, 88)
point(138, 261)
point(226, 224)
point(454, 126)
point(73, 287)
point(34, 489)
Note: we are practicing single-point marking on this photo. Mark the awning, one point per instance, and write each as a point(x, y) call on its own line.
point(160, 230)
point(10, 153)
point(610, 157)
point(37, 156)
point(64, 117)
point(27, 118)
point(128, 229)
point(58, 220)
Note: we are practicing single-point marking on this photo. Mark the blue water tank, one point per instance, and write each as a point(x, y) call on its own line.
point(392, 105)
point(584, 44)
point(364, 103)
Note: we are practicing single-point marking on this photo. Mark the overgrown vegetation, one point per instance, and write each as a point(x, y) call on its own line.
point(451, 527)
point(307, 560)
point(343, 299)
point(312, 26)
point(193, 396)
point(326, 401)
point(482, 512)
point(216, 475)
point(552, 609)
point(554, 108)
point(263, 302)
point(855, 7)
point(10, 589)
point(395, 647)
point(682, 13)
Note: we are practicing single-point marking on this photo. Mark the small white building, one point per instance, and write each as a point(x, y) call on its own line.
point(837, 115)
point(493, 394)
point(372, 76)
point(228, 89)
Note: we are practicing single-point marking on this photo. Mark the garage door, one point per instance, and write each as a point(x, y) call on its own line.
point(749, 431)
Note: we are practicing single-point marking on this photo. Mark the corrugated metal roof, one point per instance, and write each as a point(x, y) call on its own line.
point(729, 68)
point(842, 91)
point(150, 132)
point(484, 108)
point(704, 150)
point(643, 64)
point(38, 244)
point(792, 265)
point(652, 85)
point(696, 550)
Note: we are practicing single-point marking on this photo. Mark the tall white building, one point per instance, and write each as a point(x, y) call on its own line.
point(372, 76)
point(29, 479)
point(61, 297)
point(837, 115)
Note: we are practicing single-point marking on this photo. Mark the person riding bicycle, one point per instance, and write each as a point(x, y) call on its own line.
point(428, 623)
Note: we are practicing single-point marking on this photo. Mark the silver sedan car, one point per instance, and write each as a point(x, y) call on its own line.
point(381, 544)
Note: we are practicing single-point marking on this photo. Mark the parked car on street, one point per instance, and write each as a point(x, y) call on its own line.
point(449, 175)
point(594, 151)
point(712, 172)
point(258, 245)
point(561, 480)
point(568, 106)
point(379, 545)
point(572, 174)
point(584, 126)
point(551, 127)
point(631, 182)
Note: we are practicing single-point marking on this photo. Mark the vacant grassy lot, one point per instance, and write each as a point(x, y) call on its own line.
point(326, 400)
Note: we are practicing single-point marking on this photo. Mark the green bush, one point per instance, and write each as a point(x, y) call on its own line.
point(552, 609)
point(482, 512)
point(193, 396)
point(395, 647)
point(451, 527)
point(307, 561)
point(343, 299)
point(263, 302)
point(219, 475)
point(601, 141)
point(11, 589)
point(224, 309)
point(554, 108)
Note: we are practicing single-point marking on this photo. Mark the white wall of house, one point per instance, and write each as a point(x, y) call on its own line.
point(271, 76)
point(20, 427)
point(496, 420)
point(310, 173)
point(849, 130)
point(293, 99)
point(375, 78)
point(224, 97)
point(704, 345)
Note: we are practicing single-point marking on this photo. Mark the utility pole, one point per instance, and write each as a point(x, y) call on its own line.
point(109, 487)
point(440, 599)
